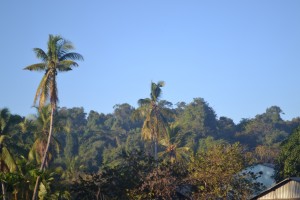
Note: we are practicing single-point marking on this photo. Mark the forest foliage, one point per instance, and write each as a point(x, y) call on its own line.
point(96, 155)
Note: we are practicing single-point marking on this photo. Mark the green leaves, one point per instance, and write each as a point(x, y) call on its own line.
point(4, 120)
point(8, 160)
point(144, 102)
point(40, 54)
point(156, 91)
point(36, 67)
point(214, 171)
point(288, 162)
point(66, 65)
point(199, 118)
point(155, 124)
point(71, 56)
point(57, 59)
point(42, 91)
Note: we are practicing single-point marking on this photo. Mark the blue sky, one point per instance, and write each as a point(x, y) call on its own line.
point(240, 56)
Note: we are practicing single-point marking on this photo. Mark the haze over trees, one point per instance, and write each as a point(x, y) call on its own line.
point(156, 151)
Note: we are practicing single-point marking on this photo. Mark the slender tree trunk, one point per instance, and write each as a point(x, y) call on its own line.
point(3, 190)
point(37, 183)
point(35, 191)
point(98, 194)
point(2, 183)
point(155, 149)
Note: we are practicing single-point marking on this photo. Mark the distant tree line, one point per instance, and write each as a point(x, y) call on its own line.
point(105, 154)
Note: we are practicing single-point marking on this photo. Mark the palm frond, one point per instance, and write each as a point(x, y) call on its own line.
point(175, 134)
point(2, 138)
point(4, 113)
point(66, 65)
point(156, 91)
point(154, 127)
point(36, 67)
point(183, 154)
point(31, 155)
point(65, 45)
point(43, 118)
point(153, 92)
point(38, 149)
point(144, 102)
point(8, 159)
point(53, 47)
point(42, 193)
point(147, 133)
point(54, 39)
point(162, 131)
point(4, 120)
point(25, 125)
point(161, 83)
point(56, 143)
point(40, 54)
point(162, 154)
point(42, 92)
point(68, 45)
point(71, 56)
point(165, 142)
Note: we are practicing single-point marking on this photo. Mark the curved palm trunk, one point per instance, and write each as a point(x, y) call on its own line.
point(37, 183)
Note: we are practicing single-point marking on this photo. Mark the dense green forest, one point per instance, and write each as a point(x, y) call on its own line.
point(155, 151)
point(104, 155)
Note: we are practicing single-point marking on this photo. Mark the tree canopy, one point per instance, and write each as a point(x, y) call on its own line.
point(288, 161)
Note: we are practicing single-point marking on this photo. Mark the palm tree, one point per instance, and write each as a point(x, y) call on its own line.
point(7, 162)
point(57, 59)
point(155, 124)
point(171, 143)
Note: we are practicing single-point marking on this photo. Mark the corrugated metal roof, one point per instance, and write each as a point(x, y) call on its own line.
point(286, 189)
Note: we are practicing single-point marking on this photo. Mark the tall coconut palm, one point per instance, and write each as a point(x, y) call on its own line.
point(7, 162)
point(155, 124)
point(57, 59)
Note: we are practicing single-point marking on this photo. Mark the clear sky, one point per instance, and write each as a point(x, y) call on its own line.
point(240, 56)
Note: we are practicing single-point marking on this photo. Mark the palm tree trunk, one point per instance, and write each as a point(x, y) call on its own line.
point(98, 193)
point(37, 183)
point(155, 149)
point(35, 191)
point(2, 183)
point(3, 190)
